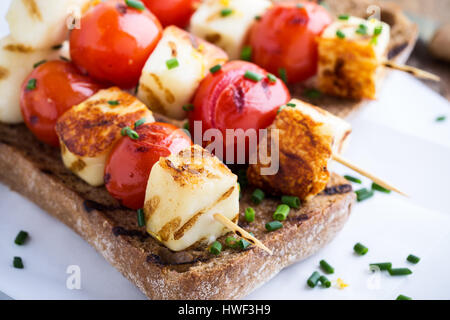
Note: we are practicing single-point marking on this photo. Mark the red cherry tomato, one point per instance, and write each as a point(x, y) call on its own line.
point(114, 42)
point(285, 37)
point(228, 99)
point(172, 12)
point(58, 86)
point(129, 164)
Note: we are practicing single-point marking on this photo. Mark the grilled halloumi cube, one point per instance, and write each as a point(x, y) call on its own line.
point(184, 191)
point(16, 62)
point(227, 22)
point(43, 23)
point(88, 131)
point(306, 139)
point(351, 52)
point(166, 90)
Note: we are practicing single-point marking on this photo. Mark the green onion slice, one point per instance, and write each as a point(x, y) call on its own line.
point(243, 244)
point(18, 263)
point(340, 34)
point(326, 267)
point(378, 30)
point(172, 63)
point(127, 131)
point(352, 179)
point(360, 249)
point(363, 194)
point(273, 225)
point(226, 12)
point(141, 218)
point(403, 297)
point(325, 282)
point(258, 196)
point(114, 102)
point(231, 242)
point(21, 238)
point(249, 214)
point(138, 5)
point(399, 272)
point(31, 84)
point(382, 265)
point(216, 248)
point(272, 78)
point(413, 259)
point(281, 212)
point(441, 118)
point(313, 279)
point(246, 53)
point(283, 74)
point(343, 17)
point(291, 201)
point(139, 123)
point(253, 76)
point(215, 69)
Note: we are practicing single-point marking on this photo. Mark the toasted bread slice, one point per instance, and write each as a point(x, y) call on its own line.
point(403, 38)
point(37, 172)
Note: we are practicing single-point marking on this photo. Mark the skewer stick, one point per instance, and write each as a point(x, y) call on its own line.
point(411, 70)
point(375, 179)
point(240, 232)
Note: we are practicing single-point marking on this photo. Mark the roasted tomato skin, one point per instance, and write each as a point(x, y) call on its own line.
point(227, 99)
point(114, 42)
point(285, 37)
point(130, 162)
point(59, 86)
point(172, 12)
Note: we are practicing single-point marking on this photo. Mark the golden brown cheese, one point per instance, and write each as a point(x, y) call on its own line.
point(305, 147)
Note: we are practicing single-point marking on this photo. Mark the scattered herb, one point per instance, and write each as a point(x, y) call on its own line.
point(215, 69)
point(325, 282)
point(226, 12)
point(138, 5)
point(382, 265)
point(399, 272)
point(31, 85)
point(271, 78)
point(363, 194)
point(246, 53)
point(127, 131)
point(281, 212)
point(253, 76)
point(413, 259)
point(18, 263)
point(37, 64)
point(141, 218)
point(249, 214)
point(113, 102)
point(139, 123)
point(344, 17)
point(21, 238)
point(283, 74)
point(172, 63)
point(326, 267)
point(360, 249)
point(362, 29)
point(402, 297)
point(313, 279)
point(216, 248)
point(377, 187)
point(352, 179)
point(291, 201)
point(258, 196)
point(273, 225)
point(188, 107)
point(340, 34)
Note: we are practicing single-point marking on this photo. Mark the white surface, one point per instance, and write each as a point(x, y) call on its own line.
point(396, 137)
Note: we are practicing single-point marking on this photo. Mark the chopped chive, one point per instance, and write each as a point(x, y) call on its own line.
point(243, 244)
point(138, 5)
point(360, 249)
point(283, 74)
point(402, 297)
point(188, 107)
point(216, 248)
point(374, 40)
point(141, 218)
point(215, 69)
point(363, 194)
point(340, 34)
point(127, 131)
point(413, 259)
point(352, 179)
point(281, 212)
point(377, 187)
point(246, 53)
point(37, 64)
point(382, 265)
point(231, 242)
point(31, 85)
point(362, 29)
point(257, 18)
point(21, 238)
point(249, 214)
point(441, 118)
point(291, 201)
point(313, 279)
point(378, 30)
point(186, 126)
point(172, 63)
point(273, 225)
point(292, 105)
point(326, 267)
point(280, 108)
point(253, 76)
point(258, 196)
point(271, 78)
point(226, 12)
point(325, 282)
point(399, 272)
point(57, 46)
point(18, 263)
point(139, 123)
point(343, 17)
point(113, 102)
point(312, 93)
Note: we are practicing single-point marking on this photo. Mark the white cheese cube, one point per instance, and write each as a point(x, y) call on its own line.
point(228, 29)
point(16, 63)
point(165, 90)
point(43, 23)
point(88, 131)
point(184, 191)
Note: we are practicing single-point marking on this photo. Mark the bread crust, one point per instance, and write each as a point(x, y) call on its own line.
point(33, 170)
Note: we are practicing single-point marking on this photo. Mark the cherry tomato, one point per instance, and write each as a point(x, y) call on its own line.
point(50, 90)
point(114, 42)
point(285, 38)
point(172, 12)
point(229, 99)
point(129, 164)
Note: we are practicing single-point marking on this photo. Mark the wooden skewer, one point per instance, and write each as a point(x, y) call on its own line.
point(240, 232)
point(363, 172)
point(411, 70)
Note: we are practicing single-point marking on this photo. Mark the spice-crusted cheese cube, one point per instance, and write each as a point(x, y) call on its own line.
point(305, 146)
point(341, 129)
point(184, 191)
point(166, 90)
point(349, 65)
point(43, 23)
point(88, 131)
point(228, 29)
point(16, 62)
